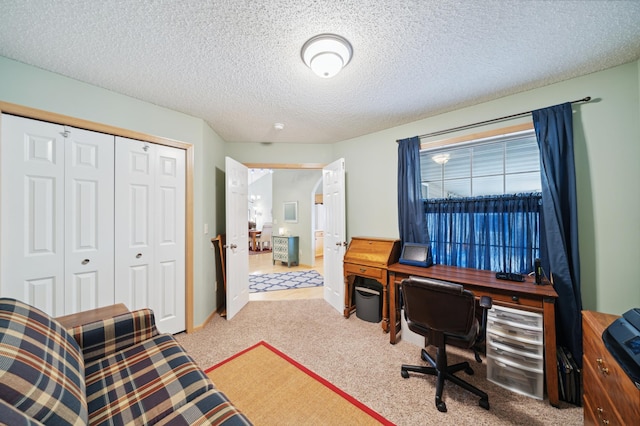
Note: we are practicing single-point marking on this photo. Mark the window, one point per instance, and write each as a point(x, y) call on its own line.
point(505, 164)
point(482, 202)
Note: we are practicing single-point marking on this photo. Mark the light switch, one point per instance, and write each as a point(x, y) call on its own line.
point(206, 228)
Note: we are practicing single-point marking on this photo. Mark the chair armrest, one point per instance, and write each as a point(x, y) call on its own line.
point(486, 302)
point(102, 338)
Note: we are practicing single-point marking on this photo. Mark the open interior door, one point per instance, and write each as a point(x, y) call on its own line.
point(237, 236)
point(334, 234)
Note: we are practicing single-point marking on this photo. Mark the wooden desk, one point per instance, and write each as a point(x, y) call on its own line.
point(526, 295)
point(253, 234)
point(368, 257)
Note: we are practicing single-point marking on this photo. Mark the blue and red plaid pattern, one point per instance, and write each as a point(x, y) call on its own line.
point(103, 338)
point(143, 383)
point(132, 375)
point(11, 416)
point(41, 367)
point(212, 408)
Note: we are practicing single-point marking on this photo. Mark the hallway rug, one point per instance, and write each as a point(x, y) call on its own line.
point(284, 281)
point(271, 388)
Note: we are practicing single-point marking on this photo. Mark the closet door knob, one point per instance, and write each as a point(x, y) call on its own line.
point(84, 262)
point(138, 256)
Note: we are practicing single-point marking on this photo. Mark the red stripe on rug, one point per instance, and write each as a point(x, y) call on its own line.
point(311, 374)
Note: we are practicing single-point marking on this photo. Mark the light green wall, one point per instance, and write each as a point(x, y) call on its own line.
point(296, 185)
point(607, 150)
point(32, 87)
point(607, 153)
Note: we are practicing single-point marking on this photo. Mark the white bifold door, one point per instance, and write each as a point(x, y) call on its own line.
point(150, 224)
point(90, 219)
point(57, 216)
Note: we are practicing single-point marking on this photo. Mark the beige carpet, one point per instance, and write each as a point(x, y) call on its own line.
point(270, 388)
point(356, 356)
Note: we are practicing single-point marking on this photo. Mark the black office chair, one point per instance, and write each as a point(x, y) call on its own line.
point(445, 314)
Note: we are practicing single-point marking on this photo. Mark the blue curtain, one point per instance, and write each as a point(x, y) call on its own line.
point(554, 131)
point(411, 220)
point(496, 233)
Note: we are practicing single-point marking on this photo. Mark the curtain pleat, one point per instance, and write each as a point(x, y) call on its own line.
point(554, 132)
point(495, 233)
point(411, 220)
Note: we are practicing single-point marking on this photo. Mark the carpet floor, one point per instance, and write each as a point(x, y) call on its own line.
point(356, 356)
point(281, 391)
point(284, 281)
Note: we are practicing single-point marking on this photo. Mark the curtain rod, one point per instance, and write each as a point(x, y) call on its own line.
point(494, 120)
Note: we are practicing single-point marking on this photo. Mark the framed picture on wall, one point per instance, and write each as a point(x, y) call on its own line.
point(290, 211)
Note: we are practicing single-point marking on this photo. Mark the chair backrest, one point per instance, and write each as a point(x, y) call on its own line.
point(266, 230)
point(438, 305)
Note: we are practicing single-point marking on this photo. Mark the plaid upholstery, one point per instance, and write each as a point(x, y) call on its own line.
point(212, 408)
point(143, 383)
point(11, 416)
point(103, 338)
point(130, 374)
point(41, 368)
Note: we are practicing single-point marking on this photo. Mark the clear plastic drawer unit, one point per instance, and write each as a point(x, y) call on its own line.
point(515, 350)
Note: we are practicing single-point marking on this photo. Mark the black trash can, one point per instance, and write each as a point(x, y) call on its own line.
point(368, 303)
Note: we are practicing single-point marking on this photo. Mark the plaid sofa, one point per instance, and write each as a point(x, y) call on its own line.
point(118, 371)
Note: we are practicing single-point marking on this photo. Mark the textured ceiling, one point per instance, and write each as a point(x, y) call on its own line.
point(236, 64)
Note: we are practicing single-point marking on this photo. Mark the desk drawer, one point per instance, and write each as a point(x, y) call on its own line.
point(515, 379)
point(529, 345)
point(514, 300)
point(516, 318)
point(364, 271)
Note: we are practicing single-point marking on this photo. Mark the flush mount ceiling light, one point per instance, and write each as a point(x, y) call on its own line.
point(326, 54)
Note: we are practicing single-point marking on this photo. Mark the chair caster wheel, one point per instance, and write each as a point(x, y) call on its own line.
point(404, 373)
point(442, 407)
point(484, 403)
point(469, 371)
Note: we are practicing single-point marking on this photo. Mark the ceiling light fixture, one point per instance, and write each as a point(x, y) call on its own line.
point(326, 54)
point(278, 126)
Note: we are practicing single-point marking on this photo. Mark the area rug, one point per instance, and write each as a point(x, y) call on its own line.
point(270, 388)
point(284, 281)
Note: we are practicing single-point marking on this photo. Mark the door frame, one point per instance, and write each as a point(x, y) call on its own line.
point(37, 114)
point(292, 166)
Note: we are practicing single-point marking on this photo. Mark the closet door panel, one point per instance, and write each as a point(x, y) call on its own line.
point(32, 213)
point(134, 223)
point(89, 199)
point(170, 243)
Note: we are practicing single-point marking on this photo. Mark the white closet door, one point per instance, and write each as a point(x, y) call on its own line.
point(150, 231)
point(134, 235)
point(169, 213)
point(89, 216)
point(32, 210)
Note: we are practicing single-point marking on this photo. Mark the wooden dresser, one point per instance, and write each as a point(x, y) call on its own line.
point(369, 258)
point(610, 397)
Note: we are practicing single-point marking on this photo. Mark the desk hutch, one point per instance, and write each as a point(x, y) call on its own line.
point(369, 257)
